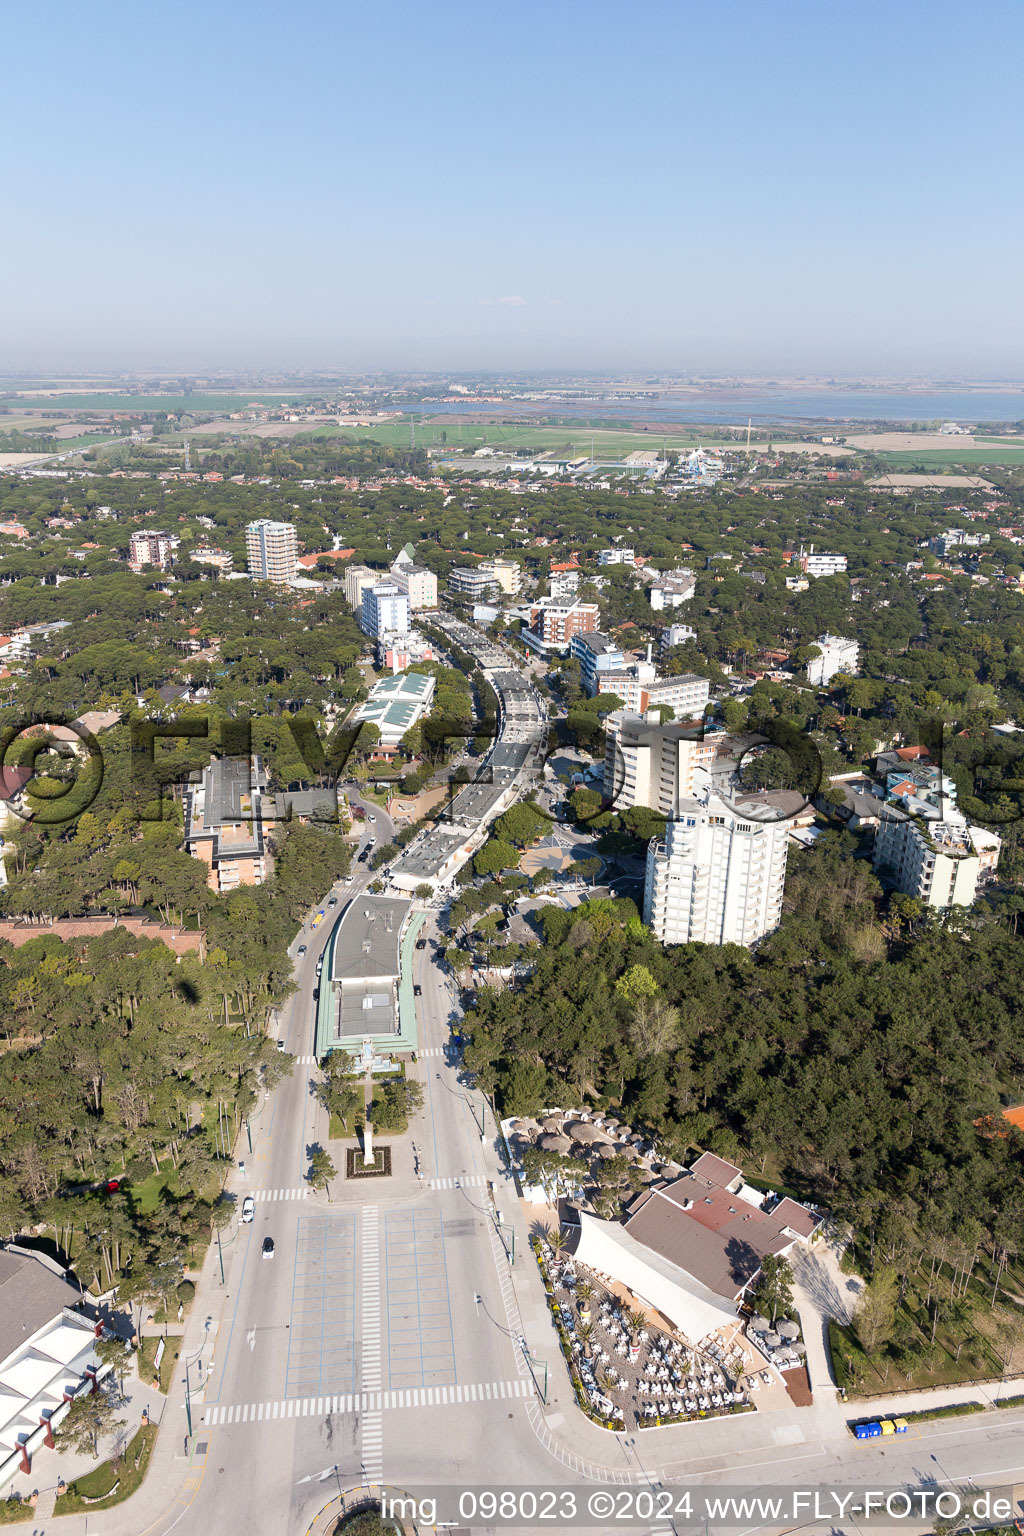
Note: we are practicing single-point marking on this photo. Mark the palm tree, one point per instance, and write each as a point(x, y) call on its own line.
point(586, 1334)
point(584, 1294)
point(636, 1320)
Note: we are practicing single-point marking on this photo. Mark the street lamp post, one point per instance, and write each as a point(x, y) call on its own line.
point(510, 1246)
point(536, 1365)
point(188, 1402)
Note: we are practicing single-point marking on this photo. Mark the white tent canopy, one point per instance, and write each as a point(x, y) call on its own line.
point(607, 1248)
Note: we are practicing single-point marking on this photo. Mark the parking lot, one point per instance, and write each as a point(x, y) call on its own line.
point(419, 1350)
point(322, 1338)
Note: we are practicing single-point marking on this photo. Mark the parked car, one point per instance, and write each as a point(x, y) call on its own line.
point(268, 1247)
point(302, 949)
point(371, 817)
point(248, 1209)
point(350, 879)
point(421, 943)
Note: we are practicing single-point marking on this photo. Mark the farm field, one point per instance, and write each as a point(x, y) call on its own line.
point(116, 402)
point(1006, 456)
point(462, 436)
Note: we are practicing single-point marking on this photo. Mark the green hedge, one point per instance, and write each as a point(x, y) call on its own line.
point(948, 1411)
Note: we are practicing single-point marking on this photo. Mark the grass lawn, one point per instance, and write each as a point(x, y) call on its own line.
point(147, 1358)
point(147, 1194)
point(458, 436)
point(343, 1130)
point(112, 1482)
point(12, 1510)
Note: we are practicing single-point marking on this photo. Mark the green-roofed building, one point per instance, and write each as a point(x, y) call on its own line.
point(366, 1004)
point(397, 703)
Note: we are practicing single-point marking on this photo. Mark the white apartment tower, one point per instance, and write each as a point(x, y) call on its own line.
point(271, 550)
point(650, 764)
point(357, 579)
point(939, 862)
point(718, 877)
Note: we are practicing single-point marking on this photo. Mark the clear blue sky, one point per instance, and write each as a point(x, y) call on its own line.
point(568, 184)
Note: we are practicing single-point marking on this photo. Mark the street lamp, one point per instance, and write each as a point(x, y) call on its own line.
point(510, 1246)
point(534, 1365)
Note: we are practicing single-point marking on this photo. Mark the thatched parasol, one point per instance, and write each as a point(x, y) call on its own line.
point(579, 1130)
point(788, 1330)
point(606, 1150)
point(554, 1143)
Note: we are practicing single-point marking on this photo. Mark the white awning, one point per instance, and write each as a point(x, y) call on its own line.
point(607, 1248)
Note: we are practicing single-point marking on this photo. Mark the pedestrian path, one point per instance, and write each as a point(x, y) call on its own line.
point(369, 1404)
point(300, 1192)
point(460, 1181)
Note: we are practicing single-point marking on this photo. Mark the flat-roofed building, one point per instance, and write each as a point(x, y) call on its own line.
point(224, 823)
point(838, 654)
point(596, 653)
point(418, 583)
point(271, 550)
point(357, 579)
point(718, 876)
point(640, 689)
point(939, 862)
point(366, 1004)
point(650, 764)
point(385, 610)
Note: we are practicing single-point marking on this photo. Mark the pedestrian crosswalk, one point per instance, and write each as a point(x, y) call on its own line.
point(371, 1444)
point(460, 1181)
point(434, 1050)
point(370, 1404)
point(300, 1192)
point(305, 1061)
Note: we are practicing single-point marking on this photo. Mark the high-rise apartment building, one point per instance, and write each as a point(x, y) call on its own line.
point(146, 548)
point(271, 550)
point(940, 862)
point(357, 579)
point(718, 876)
point(385, 610)
point(418, 582)
point(555, 624)
point(650, 764)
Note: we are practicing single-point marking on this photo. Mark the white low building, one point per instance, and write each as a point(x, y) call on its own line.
point(838, 654)
point(47, 1356)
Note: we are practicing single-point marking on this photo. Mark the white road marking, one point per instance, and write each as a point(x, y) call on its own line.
point(299, 1192)
point(460, 1181)
point(370, 1404)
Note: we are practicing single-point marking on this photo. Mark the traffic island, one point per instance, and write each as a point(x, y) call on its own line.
point(356, 1166)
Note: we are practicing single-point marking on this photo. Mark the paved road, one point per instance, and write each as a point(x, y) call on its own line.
point(382, 1339)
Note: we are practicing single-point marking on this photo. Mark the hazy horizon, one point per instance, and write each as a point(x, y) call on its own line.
point(454, 190)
